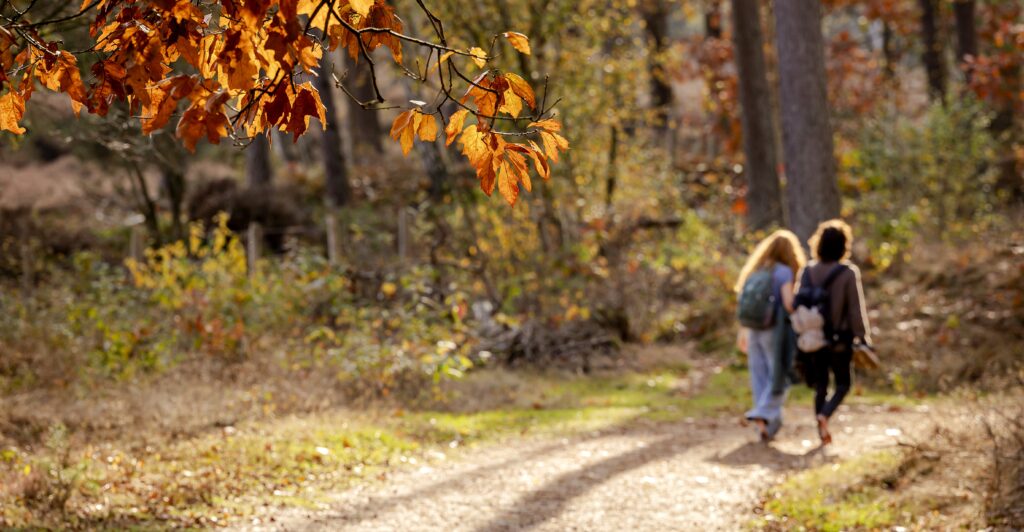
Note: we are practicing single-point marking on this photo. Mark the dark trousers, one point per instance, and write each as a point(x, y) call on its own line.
point(837, 362)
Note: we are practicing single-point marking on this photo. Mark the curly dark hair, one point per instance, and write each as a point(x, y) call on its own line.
point(832, 241)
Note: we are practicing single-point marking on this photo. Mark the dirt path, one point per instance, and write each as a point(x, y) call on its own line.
point(700, 475)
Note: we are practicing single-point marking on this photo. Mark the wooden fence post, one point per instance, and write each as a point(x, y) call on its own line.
point(333, 249)
point(253, 242)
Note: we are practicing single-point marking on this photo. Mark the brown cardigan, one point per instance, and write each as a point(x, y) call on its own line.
point(846, 297)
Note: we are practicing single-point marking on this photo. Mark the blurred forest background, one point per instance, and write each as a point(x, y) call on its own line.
point(150, 290)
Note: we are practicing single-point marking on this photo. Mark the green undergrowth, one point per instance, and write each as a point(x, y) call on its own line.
point(229, 473)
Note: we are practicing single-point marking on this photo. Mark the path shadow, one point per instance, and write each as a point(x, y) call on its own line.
point(550, 500)
point(375, 506)
point(760, 454)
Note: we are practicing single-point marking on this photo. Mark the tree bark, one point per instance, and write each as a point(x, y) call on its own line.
point(335, 169)
point(966, 32)
point(764, 198)
point(257, 162)
point(932, 55)
point(655, 15)
point(812, 194)
point(363, 124)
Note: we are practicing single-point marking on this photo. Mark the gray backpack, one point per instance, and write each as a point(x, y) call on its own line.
point(756, 308)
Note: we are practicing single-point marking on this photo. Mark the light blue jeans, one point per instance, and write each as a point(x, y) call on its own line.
point(767, 406)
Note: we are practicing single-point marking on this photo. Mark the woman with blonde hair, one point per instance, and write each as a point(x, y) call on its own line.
point(765, 288)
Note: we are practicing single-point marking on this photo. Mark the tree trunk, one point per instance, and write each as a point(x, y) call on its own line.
point(812, 194)
point(335, 169)
point(966, 32)
point(764, 199)
point(257, 162)
point(655, 14)
point(932, 56)
point(888, 52)
point(363, 124)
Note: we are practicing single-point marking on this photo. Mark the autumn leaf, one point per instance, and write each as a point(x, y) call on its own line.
point(410, 124)
point(521, 88)
point(479, 56)
point(361, 6)
point(306, 104)
point(513, 104)
point(440, 61)
point(428, 128)
point(12, 108)
point(455, 124)
point(518, 41)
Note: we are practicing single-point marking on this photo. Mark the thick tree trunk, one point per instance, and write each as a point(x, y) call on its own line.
point(257, 162)
point(335, 169)
point(764, 199)
point(655, 14)
point(812, 194)
point(436, 168)
point(363, 124)
point(932, 56)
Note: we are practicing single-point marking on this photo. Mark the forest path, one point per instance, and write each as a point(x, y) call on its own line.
point(695, 475)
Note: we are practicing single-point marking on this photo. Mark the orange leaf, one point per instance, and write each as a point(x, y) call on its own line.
point(518, 41)
point(455, 125)
point(12, 108)
point(522, 89)
point(547, 125)
point(428, 128)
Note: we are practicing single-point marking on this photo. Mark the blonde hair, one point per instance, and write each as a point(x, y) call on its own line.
point(780, 247)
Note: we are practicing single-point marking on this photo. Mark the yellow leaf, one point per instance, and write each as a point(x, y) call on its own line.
point(388, 289)
point(513, 104)
point(518, 41)
point(361, 6)
point(479, 56)
point(440, 61)
point(455, 125)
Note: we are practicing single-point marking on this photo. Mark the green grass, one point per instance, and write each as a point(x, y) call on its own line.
point(834, 497)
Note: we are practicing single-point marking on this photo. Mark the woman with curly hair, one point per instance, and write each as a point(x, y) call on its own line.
point(845, 314)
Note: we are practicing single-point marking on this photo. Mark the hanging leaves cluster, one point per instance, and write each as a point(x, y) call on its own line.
point(238, 68)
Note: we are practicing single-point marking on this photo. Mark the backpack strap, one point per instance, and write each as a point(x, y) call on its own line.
point(833, 275)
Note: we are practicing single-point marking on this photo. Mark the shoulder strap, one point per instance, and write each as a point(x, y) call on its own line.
point(832, 275)
point(805, 277)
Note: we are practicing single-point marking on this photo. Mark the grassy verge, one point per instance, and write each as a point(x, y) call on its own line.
point(834, 497)
point(226, 475)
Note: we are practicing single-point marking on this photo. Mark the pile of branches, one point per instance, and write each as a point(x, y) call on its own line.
point(573, 344)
